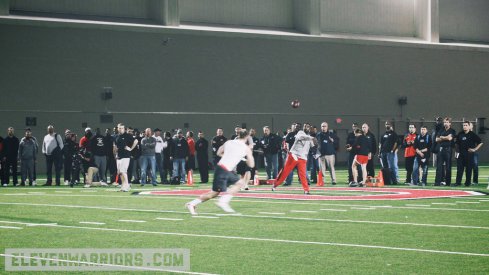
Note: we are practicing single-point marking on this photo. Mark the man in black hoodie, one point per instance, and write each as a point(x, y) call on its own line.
point(10, 156)
point(179, 156)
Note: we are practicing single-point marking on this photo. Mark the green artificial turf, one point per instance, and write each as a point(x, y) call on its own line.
point(427, 236)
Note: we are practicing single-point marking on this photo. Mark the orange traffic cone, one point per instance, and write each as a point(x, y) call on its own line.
point(380, 179)
point(256, 180)
point(320, 179)
point(190, 178)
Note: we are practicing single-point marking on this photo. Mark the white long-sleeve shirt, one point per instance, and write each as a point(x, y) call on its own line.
point(49, 143)
point(303, 142)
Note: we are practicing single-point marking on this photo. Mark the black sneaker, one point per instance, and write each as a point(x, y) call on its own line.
point(353, 184)
point(307, 193)
point(333, 183)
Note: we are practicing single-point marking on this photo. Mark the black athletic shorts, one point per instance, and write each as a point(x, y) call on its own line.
point(223, 179)
point(242, 168)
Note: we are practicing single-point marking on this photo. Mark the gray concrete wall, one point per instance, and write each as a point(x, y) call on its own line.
point(57, 72)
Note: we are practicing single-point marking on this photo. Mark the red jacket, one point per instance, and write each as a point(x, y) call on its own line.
point(408, 143)
point(191, 146)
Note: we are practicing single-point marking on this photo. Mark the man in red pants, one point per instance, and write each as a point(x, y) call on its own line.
point(298, 157)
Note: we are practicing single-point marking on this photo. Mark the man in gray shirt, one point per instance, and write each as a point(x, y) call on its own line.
point(148, 144)
point(28, 148)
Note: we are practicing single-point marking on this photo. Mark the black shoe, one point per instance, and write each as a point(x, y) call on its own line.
point(22, 184)
point(333, 183)
point(307, 193)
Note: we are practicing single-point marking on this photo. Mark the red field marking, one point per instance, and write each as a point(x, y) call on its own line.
point(380, 194)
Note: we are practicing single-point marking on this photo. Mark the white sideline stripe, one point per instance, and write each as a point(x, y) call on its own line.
point(131, 221)
point(484, 200)
point(113, 265)
point(362, 208)
point(67, 192)
point(205, 217)
point(38, 193)
point(88, 191)
point(10, 227)
point(419, 205)
point(468, 202)
point(255, 201)
point(96, 223)
point(302, 211)
point(273, 240)
point(444, 203)
point(338, 210)
point(41, 224)
point(168, 219)
point(271, 213)
point(251, 216)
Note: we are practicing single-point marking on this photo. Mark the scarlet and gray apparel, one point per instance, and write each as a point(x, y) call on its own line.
point(121, 141)
point(234, 151)
point(297, 157)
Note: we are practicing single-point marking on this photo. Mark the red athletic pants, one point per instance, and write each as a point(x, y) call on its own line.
point(290, 164)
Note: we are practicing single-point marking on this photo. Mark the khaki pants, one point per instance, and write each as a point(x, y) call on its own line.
point(328, 162)
point(90, 173)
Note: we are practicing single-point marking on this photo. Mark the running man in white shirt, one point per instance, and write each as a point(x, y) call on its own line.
point(231, 153)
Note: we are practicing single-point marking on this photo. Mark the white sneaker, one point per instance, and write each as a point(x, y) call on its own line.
point(225, 207)
point(67, 182)
point(5, 185)
point(33, 183)
point(273, 189)
point(103, 184)
point(87, 186)
point(191, 209)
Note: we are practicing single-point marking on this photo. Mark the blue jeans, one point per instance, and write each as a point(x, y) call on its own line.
point(179, 169)
point(271, 161)
point(144, 160)
point(391, 159)
point(424, 165)
point(476, 168)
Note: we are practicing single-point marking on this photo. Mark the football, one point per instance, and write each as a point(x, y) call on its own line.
point(295, 103)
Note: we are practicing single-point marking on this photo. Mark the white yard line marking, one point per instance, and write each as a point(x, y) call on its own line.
point(108, 265)
point(10, 227)
point(168, 219)
point(273, 240)
point(96, 223)
point(205, 217)
point(271, 213)
point(443, 203)
point(136, 221)
point(88, 191)
point(42, 224)
point(338, 210)
point(66, 192)
point(419, 205)
point(302, 211)
point(362, 208)
point(468, 202)
point(251, 216)
point(484, 200)
point(258, 201)
point(37, 193)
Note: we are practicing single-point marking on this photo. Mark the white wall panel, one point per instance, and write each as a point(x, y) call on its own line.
point(466, 20)
point(260, 13)
point(375, 17)
point(112, 8)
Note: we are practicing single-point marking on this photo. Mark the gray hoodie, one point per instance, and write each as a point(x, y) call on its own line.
point(28, 148)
